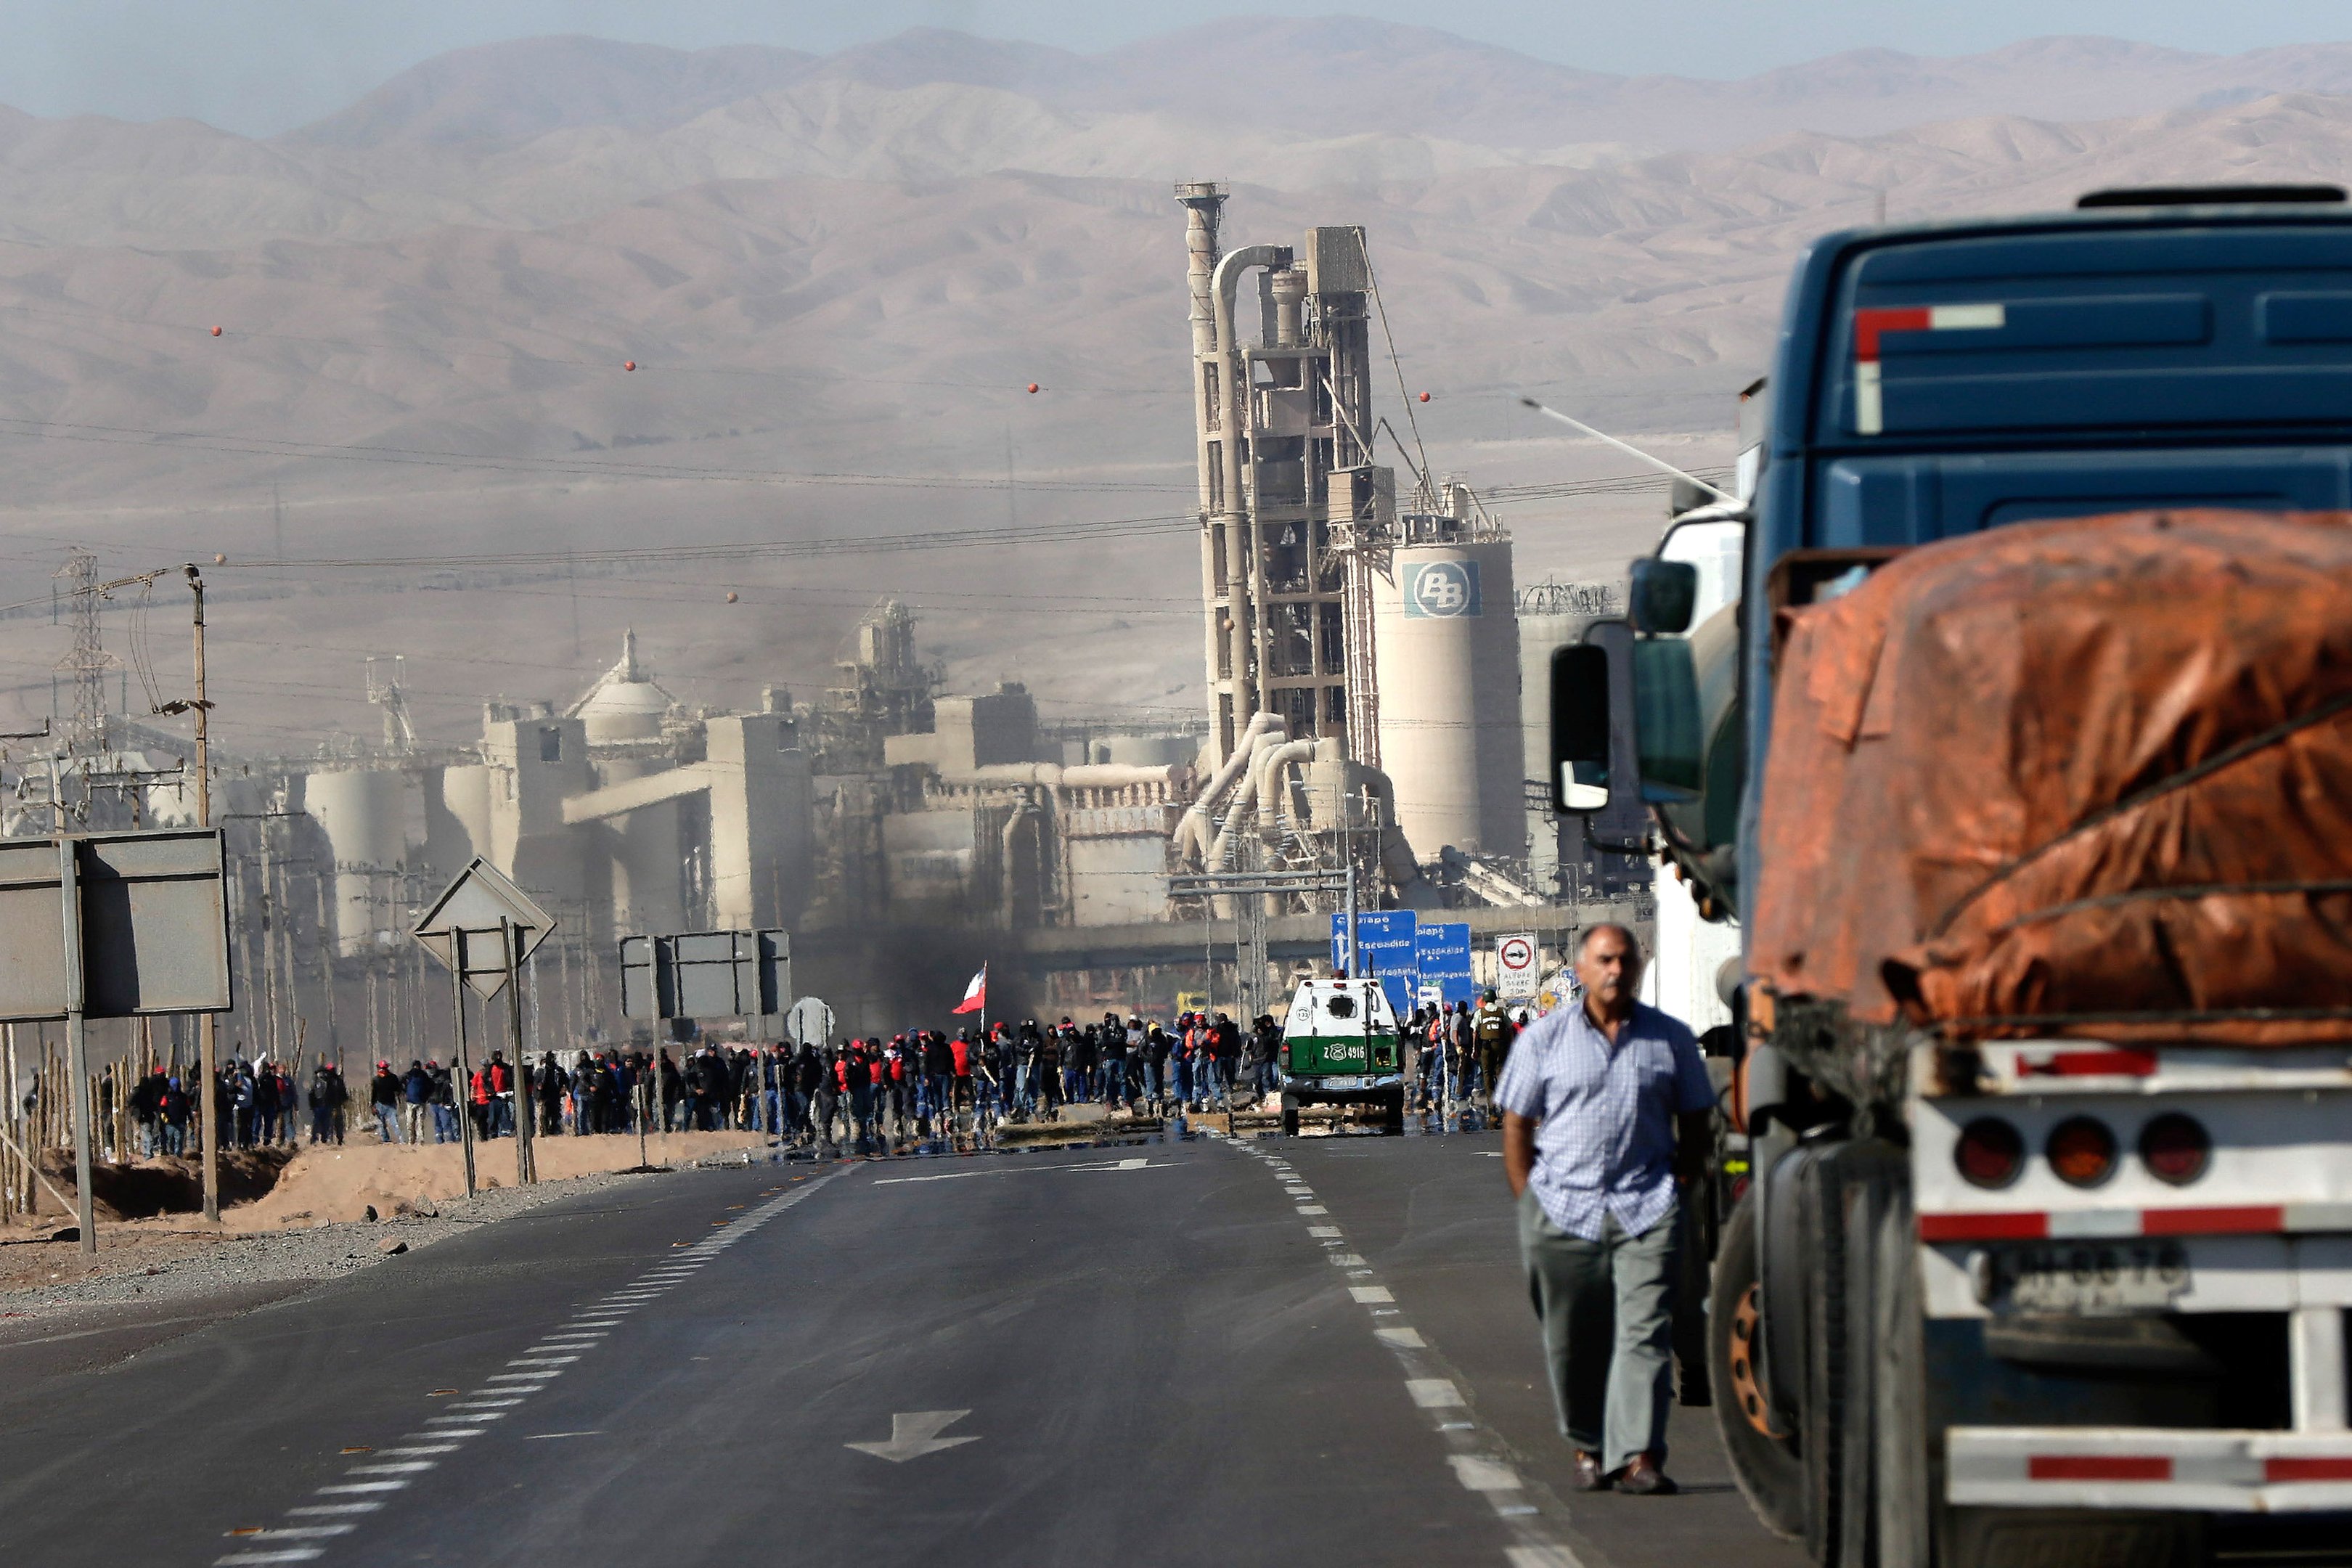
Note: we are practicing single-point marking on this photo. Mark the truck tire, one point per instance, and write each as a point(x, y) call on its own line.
point(1392, 1111)
point(1821, 1428)
point(1905, 1485)
point(1763, 1462)
point(1290, 1117)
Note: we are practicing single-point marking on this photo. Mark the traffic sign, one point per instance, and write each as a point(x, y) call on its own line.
point(1519, 959)
point(810, 1021)
point(481, 904)
point(706, 975)
point(148, 918)
point(1442, 953)
point(1384, 950)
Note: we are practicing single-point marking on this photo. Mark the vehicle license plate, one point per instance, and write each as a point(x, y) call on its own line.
point(2091, 1276)
point(1341, 1082)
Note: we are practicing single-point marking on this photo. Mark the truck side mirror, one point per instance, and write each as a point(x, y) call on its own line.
point(1665, 594)
point(1580, 729)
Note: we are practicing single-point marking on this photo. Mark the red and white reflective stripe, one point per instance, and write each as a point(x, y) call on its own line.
point(1869, 325)
point(2086, 1225)
point(2125, 1467)
point(2100, 1062)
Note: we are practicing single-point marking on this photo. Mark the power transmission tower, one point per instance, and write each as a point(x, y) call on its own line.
point(85, 733)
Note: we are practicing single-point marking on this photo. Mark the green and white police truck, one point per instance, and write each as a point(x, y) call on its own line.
point(1340, 1046)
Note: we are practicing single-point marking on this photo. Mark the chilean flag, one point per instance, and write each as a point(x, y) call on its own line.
point(975, 995)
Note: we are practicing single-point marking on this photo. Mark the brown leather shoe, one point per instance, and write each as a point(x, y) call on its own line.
point(1589, 1476)
point(1643, 1478)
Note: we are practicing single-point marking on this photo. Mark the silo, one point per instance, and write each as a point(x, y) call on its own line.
point(1446, 656)
point(365, 813)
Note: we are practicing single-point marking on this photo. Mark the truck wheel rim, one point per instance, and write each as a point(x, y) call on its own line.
point(1746, 1386)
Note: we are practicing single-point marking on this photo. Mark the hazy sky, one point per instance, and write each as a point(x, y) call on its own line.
point(261, 66)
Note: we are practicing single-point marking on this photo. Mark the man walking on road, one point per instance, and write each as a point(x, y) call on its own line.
point(1591, 1099)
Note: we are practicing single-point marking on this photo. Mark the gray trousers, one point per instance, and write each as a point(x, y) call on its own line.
point(1607, 1310)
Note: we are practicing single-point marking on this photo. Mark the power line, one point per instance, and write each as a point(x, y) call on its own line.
point(560, 467)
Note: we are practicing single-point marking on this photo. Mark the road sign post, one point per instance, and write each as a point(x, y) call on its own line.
point(481, 906)
point(77, 1044)
point(464, 1089)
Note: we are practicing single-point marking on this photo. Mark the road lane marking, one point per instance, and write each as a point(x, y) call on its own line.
point(915, 1433)
point(1480, 1474)
point(542, 1436)
point(1435, 1392)
point(301, 1531)
point(592, 1321)
point(1130, 1164)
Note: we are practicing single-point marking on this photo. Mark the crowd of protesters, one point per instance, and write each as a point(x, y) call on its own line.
point(919, 1083)
point(1454, 1052)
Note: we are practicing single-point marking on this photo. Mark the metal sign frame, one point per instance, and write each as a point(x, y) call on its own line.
point(707, 975)
point(149, 917)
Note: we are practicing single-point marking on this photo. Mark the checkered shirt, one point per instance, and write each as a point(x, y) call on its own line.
point(1604, 1114)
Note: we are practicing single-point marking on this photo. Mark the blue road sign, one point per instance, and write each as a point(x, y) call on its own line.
point(1442, 952)
point(1385, 948)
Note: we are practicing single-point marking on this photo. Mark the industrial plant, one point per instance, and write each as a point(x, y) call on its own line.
point(1374, 677)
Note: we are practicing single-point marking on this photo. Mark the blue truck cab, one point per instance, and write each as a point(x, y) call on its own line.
point(1887, 1398)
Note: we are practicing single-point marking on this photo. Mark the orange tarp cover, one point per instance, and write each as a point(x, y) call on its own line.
point(2080, 778)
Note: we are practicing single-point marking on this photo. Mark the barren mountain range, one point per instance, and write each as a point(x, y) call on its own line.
point(836, 276)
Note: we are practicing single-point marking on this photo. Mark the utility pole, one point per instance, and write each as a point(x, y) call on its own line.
point(208, 1051)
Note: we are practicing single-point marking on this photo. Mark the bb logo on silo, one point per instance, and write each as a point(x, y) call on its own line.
point(1440, 590)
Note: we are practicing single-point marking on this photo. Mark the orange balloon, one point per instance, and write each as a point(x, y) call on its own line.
point(1033, 387)
point(215, 332)
point(628, 364)
point(730, 596)
point(220, 560)
point(1424, 397)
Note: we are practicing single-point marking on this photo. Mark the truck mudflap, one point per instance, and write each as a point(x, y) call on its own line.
point(2142, 1468)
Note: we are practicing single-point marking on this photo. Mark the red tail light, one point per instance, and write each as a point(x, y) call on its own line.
point(2082, 1152)
point(1286, 1055)
point(1990, 1154)
point(2175, 1148)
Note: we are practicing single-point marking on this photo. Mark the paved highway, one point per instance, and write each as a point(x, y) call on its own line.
point(1199, 1351)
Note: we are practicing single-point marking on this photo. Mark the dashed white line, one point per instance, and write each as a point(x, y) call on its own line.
point(1480, 1474)
point(1433, 1393)
point(1368, 1295)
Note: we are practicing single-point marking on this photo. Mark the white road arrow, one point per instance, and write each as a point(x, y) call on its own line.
point(913, 1434)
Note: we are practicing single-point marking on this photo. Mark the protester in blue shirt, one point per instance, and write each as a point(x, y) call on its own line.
point(1591, 1097)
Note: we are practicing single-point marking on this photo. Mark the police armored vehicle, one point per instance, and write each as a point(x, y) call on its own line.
point(1340, 1046)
